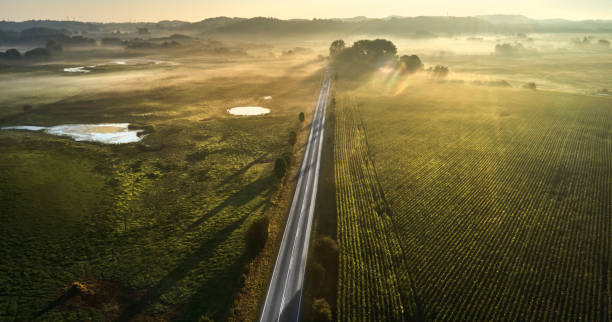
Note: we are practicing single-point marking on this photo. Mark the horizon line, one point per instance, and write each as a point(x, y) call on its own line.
point(68, 19)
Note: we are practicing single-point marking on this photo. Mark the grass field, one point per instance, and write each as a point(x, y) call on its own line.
point(155, 230)
point(499, 198)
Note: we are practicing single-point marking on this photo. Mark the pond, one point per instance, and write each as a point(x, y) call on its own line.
point(109, 133)
point(248, 110)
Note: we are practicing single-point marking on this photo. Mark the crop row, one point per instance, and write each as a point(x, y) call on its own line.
point(371, 261)
point(503, 220)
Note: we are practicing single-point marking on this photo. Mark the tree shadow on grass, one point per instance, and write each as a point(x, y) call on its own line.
point(246, 194)
point(242, 171)
point(207, 248)
point(208, 300)
point(190, 262)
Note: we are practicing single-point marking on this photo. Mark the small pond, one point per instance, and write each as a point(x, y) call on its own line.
point(248, 110)
point(109, 133)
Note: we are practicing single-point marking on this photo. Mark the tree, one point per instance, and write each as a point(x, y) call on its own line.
point(321, 311)
point(280, 167)
point(54, 46)
point(37, 53)
point(530, 86)
point(288, 157)
point(301, 117)
point(337, 46)
point(412, 63)
point(292, 138)
point(112, 41)
point(509, 49)
point(316, 274)
point(364, 56)
point(375, 48)
point(12, 54)
point(256, 235)
point(439, 71)
point(326, 253)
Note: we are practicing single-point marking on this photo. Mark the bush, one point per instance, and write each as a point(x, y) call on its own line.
point(54, 46)
point(316, 274)
point(112, 41)
point(288, 157)
point(197, 156)
point(326, 253)
point(439, 71)
point(280, 167)
point(27, 108)
point(38, 54)
point(292, 138)
point(256, 235)
point(11, 54)
point(301, 117)
point(530, 86)
point(509, 49)
point(321, 311)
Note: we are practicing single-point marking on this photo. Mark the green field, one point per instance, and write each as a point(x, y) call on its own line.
point(154, 229)
point(498, 197)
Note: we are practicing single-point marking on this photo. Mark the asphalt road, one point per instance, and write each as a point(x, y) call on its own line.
point(284, 294)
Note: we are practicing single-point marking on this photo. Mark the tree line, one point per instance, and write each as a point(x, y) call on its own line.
point(367, 55)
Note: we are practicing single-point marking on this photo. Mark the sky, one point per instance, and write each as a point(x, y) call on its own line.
point(196, 10)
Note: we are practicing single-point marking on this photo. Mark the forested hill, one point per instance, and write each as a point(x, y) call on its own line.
point(400, 26)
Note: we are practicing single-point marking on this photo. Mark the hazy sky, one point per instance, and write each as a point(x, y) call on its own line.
point(195, 10)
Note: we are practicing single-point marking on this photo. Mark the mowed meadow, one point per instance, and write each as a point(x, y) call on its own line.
point(154, 229)
point(466, 202)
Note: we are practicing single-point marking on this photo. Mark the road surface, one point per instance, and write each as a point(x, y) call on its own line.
point(284, 294)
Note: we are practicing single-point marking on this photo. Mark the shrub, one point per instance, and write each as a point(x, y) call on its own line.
point(326, 253)
point(112, 41)
point(197, 156)
point(509, 49)
point(54, 46)
point(530, 86)
point(280, 167)
point(316, 274)
point(38, 54)
point(288, 157)
point(321, 311)
point(256, 235)
point(12, 54)
point(292, 138)
point(301, 117)
point(439, 71)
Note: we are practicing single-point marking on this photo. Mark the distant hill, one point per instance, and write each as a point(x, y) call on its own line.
point(507, 19)
point(211, 24)
point(417, 27)
point(49, 24)
point(400, 26)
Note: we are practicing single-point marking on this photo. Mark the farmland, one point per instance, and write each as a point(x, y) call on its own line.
point(371, 261)
point(498, 197)
point(156, 229)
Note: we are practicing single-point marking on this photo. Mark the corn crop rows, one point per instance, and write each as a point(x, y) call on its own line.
point(500, 219)
point(370, 255)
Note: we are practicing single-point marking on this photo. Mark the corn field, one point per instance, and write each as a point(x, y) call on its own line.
point(504, 212)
